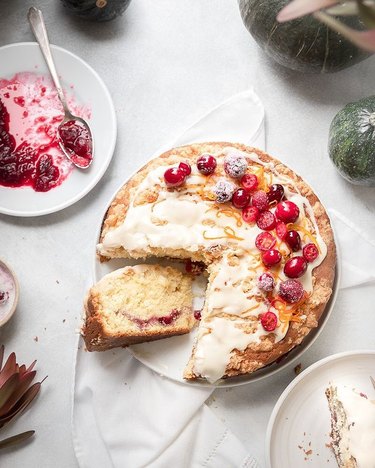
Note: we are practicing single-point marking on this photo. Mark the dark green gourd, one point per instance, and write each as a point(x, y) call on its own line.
point(97, 10)
point(352, 142)
point(302, 44)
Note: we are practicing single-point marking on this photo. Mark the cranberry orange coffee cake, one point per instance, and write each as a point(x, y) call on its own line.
point(261, 232)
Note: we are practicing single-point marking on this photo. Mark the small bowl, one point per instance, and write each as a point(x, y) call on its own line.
point(9, 279)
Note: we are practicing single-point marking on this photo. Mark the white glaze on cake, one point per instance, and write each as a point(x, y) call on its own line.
point(182, 219)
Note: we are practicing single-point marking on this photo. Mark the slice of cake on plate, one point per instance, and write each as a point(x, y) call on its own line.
point(352, 427)
point(137, 304)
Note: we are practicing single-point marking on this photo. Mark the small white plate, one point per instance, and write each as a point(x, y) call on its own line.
point(301, 422)
point(90, 90)
point(168, 357)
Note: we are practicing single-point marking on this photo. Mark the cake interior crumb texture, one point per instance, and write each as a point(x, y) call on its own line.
point(139, 303)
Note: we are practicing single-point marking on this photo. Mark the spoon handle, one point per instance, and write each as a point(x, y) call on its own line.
point(38, 27)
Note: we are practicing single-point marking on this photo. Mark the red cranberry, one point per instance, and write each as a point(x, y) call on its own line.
point(250, 214)
point(46, 174)
point(271, 257)
point(168, 319)
point(264, 241)
point(281, 230)
point(185, 168)
point(266, 282)
point(206, 164)
point(287, 211)
point(268, 321)
point(249, 182)
point(266, 221)
point(291, 291)
point(197, 314)
point(275, 193)
point(310, 252)
point(174, 177)
point(260, 200)
point(240, 198)
point(295, 267)
point(293, 239)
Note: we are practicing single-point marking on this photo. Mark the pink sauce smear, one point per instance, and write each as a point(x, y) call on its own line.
point(30, 113)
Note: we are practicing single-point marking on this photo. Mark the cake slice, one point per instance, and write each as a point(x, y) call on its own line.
point(352, 427)
point(137, 304)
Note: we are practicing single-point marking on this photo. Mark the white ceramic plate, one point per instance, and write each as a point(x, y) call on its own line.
point(300, 421)
point(168, 357)
point(90, 90)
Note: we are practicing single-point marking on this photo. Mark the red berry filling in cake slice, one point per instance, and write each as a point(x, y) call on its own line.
point(136, 304)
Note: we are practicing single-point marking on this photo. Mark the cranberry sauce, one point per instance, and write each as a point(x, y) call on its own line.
point(77, 141)
point(154, 320)
point(30, 114)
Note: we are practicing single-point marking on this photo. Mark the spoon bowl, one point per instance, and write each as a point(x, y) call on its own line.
point(74, 134)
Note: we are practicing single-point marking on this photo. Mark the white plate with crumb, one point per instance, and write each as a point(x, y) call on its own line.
point(299, 427)
point(84, 87)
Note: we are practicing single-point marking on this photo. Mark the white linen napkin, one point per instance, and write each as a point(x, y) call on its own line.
point(125, 415)
point(358, 269)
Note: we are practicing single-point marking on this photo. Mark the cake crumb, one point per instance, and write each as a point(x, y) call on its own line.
point(298, 369)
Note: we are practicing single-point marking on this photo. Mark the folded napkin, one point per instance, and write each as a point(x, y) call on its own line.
point(125, 415)
point(359, 269)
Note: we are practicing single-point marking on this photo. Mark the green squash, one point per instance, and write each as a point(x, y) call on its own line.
point(303, 44)
point(352, 142)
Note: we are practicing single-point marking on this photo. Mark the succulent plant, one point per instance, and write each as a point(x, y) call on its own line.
point(326, 10)
point(16, 393)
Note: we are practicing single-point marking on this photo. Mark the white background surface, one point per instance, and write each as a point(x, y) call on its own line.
point(165, 64)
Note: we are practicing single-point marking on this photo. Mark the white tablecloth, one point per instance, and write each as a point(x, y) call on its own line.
point(166, 63)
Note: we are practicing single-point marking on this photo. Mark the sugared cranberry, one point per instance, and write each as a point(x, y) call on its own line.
point(287, 211)
point(275, 193)
point(206, 164)
point(197, 314)
point(194, 268)
point(310, 252)
point(264, 241)
point(291, 290)
point(295, 267)
point(266, 221)
point(174, 177)
point(4, 296)
point(240, 198)
point(235, 165)
point(293, 239)
point(268, 321)
point(266, 282)
point(260, 200)
point(185, 167)
point(271, 258)
point(250, 214)
point(249, 182)
point(223, 190)
point(281, 230)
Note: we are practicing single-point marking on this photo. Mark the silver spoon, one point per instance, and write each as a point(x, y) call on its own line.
point(38, 27)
